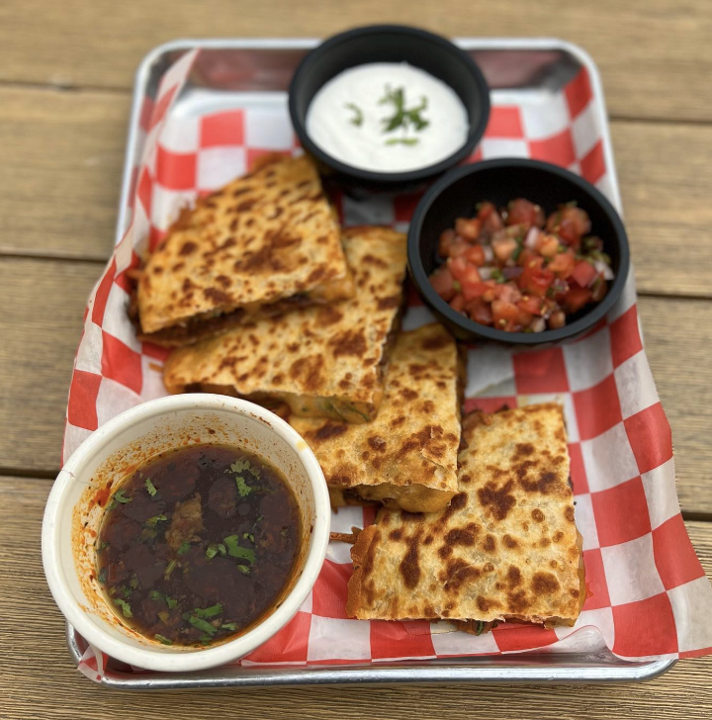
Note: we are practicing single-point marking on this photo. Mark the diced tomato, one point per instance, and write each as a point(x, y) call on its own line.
point(570, 223)
point(442, 282)
point(504, 249)
point(524, 318)
point(557, 320)
point(457, 248)
point(476, 255)
point(524, 212)
point(458, 303)
point(490, 219)
point(458, 267)
point(480, 312)
point(508, 292)
point(576, 298)
point(469, 281)
point(474, 290)
point(584, 273)
point(446, 239)
point(535, 279)
point(548, 245)
point(468, 228)
point(504, 314)
point(562, 264)
point(525, 256)
point(530, 304)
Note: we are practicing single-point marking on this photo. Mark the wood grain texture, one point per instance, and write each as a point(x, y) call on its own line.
point(42, 326)
point(61, 171)
point(39, 680)
point(63, 157)
point(654, 55)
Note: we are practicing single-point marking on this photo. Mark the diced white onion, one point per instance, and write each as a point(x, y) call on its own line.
point(485, 273)
point(538, 325)
point(489, 253)
point(531, 238)
point(601, 267)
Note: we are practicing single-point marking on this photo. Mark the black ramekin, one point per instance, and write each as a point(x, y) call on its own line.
point(389, 43)
point(500, 181)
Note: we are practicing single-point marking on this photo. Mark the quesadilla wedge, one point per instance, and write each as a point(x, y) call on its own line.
point(321, 361)
point(506, 548)
point(406, 457)
point(267, 241)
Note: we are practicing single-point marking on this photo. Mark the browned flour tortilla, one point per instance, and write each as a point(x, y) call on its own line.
point(322, 361)
point(506, 548)
point(406, 457)
point(265, 241)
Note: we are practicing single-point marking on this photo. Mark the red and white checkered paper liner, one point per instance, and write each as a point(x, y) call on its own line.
point(647, 592)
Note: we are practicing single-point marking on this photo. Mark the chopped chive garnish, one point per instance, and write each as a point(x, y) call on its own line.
point(102, 576)
point(155, 595)
point(201, 624)
point(134, 581)
point(357, 119)
point(243, 569)
point(155, 519)
point(229, 626)
point(480, 627)
point(184, 547)
point(171, 602)
point(260, 518)
point(249, 536)
point(125, 607)
point(163, 640)
point(150, 487)
point(205, 639)
point(208, 612)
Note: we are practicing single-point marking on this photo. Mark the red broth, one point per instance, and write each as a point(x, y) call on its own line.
point(198, 544)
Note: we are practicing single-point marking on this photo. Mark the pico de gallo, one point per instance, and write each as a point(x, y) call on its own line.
point(517, 270)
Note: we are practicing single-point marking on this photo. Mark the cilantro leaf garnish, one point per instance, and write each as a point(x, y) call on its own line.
point(234, 550)
point(163, 640)
point(203, 625)
point(243, 489)
point(208, 612)
point(125, 607)
point(150, 487)
point(184, 547)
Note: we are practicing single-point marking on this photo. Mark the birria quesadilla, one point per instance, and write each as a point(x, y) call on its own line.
point(506, 548)
point(406, 457)
point(265, 242)
point(322, 361)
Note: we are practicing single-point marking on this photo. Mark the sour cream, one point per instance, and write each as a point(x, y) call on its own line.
point(349, 118)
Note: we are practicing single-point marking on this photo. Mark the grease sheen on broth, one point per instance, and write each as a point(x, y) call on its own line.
point(198, 544)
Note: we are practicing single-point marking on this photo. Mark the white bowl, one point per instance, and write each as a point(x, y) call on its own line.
point(73, 516)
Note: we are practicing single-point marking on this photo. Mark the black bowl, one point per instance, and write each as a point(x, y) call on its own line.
point(389, 43)
point(500, 181)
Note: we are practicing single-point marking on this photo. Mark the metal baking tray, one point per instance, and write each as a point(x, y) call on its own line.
point(239, 72)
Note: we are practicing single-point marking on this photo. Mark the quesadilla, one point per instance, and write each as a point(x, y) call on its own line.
point(265, 242)
point(406, 457)
point(325, 361)
point(506, 548)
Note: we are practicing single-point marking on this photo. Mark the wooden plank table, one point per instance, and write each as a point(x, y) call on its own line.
point(65, 78)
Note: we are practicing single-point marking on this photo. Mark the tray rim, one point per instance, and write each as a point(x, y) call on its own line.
point(505, 669)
